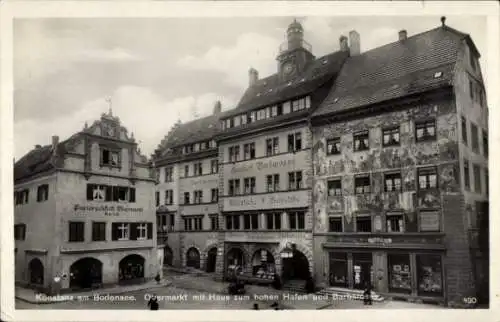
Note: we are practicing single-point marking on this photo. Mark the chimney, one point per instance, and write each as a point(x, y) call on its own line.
point(38, 146)
point(253, 76)
point(217, 108)
point(343, 43)
point(354, 43)
point(55, 142)
point(402, 35)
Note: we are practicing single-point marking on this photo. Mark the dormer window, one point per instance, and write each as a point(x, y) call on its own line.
point(110, 157)
point(237, 120)
point(243, 119)
point(438, 74)
point(252, 116)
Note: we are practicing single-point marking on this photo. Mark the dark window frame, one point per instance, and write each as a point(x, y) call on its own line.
point(466, 174)
point(336, 185)
point(363, 137)
point(362, 179)
point(333, 222)
point(426, 125)
point(427, 172)
point(363, 219)
point(393, 177)
point(334, 143)
point(98, 231)
point(78, 229)
point(394, 134)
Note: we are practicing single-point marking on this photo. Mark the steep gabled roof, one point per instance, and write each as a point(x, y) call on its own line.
point(272, 89)
point(395, 70)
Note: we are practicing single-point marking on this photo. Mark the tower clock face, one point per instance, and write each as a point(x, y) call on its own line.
point(288, 68)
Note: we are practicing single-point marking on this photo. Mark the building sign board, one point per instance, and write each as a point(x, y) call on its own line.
point(108, 210)
point(263, 165)
point(282, 200)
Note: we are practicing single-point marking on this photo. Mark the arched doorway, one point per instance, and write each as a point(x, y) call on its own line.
point(36, 271)
point(85, 273)
point(263, 264)
point(235, 262)
point(193, 258)
point(211, 260)
point(168, 256)
point(295, 265)
point(131, 269)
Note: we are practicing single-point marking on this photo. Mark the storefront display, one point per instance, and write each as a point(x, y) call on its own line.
point(263, 265)
point(429, 275)
point(399, 273)
point(362, 269)
point(338, 269)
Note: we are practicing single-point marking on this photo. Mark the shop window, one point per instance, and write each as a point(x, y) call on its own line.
point(335, 225)
point(425, 130)
point(361, 141)
point(362, 184)
point(273, 221)
point(429, 221)
point(466, 174)
point(273, 182)
point(427, 178)
point(338, 269)
point(249, 151)
point(390, 136)
point(272, 146)
point(98, 231)
point(333, 146)
point(399, 269)
point(76, 231)
point(249, 185)
point(395, 223)
point(42, 193)
point(251, 221)
point(429, 275)
point(296, 220)
point(335, 187)
point(392, 182)
point(364, 224)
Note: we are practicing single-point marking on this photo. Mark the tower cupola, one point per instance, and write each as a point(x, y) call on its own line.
point(295, 35)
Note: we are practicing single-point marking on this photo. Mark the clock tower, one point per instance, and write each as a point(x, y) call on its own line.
point(295, 53)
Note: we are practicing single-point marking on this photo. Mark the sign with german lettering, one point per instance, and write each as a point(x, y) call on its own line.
point(282, 200)
point(263, 165)
point(108, 210)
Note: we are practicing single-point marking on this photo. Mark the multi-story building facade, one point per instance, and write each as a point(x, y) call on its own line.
point(84, 213)
point(400, 169)
point(265, 180)
point(187, 170)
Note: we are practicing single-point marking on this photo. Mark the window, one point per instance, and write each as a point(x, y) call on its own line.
point(214, 222)
point(333, 146)
point(110, 158)
point(166, 222)
point(234, 153)
point(393, 182)
point(362, 184)
point(186, 171)
point(273, 221)
point(477, 178)
point(429, 275)
point(249, 184)
point(274, 111)
point(429, 221)
point(481, 97)
point(237, 120)
point(121, 231)
point(234, 187)
point(427, 178)
point(186, 198)
point(296, 220)
point(214, 195)
point(425, 130)
point(249, 151)
point(198, 197)
point(294, 142)
point(42, 193)
point(142, 231)
point(169, 197)
point(169, 173)
point(361, 141)
point(335, 187)
point(273, 182)
point(272, 146)
point(286, 107)
point(390, 136)
point(98, 231)
point(157, 198)
point(214, 166)
point(338, 269)
point(19, 232)
point(21, 197)
point(244, 119)
point(335, 225)
point(99, 192)
point(464, 130)
point(399, 269)
point(252, 117)
point(363, 224)
point(466, 175)
point(474, 137)
point(395, 223)
point(251, 221)
point(485, 143)
point(123, 194)
point(76, 231)
point(198, 169)
point(295, 180)
point(193, 223)
point(233, 222)
point(471, 90)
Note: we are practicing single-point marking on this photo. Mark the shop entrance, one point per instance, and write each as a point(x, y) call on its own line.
point(235, 263)
point(211, 260)
point(85, 273)
point(338, 270)
point(193, 258)
point(362, 264)
point(132, 269)
point(36, 271)
point(295, 267)
point(263, 264)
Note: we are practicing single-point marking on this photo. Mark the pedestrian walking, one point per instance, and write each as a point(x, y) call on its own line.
point(153, 303)
point(367, 294)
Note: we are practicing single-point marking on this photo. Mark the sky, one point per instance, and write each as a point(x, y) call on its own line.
point(160, 70)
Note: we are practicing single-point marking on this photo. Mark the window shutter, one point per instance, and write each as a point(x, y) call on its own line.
point(114, 231)
point(133, 231)
point(90, 194)
point(150, 230)
point(109, 193)
point(132, 194)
